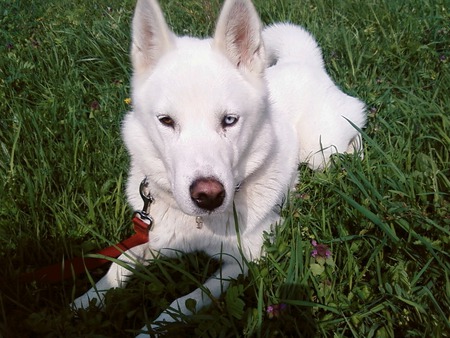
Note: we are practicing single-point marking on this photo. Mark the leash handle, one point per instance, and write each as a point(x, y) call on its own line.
point(80, 265)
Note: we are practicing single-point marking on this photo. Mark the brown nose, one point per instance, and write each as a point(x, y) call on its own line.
point(207, 193)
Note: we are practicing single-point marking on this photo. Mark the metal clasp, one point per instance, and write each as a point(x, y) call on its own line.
point(147, 198)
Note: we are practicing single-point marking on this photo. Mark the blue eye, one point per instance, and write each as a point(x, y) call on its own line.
point(229, 120)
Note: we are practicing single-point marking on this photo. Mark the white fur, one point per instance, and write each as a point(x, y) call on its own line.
point(289, 112)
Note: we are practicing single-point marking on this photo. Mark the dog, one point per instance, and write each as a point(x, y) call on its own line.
point(218, 129)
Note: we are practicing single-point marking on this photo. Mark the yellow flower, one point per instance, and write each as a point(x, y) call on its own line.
point(127, 100)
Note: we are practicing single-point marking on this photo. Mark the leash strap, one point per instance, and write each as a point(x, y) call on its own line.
point(80, 265)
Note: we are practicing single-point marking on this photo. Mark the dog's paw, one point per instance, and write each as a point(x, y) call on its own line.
point(143, 335)
point(153, 331)
point(156, 329)
point(87, 300)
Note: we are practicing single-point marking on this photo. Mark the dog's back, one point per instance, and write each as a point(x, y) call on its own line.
point(299, 85)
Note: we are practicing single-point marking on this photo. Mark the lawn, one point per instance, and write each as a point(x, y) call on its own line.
point(383, 221)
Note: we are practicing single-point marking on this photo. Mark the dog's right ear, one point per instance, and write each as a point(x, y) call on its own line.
point(150, 34)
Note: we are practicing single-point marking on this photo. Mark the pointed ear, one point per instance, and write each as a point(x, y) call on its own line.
point(151, 37)
point(238, 36)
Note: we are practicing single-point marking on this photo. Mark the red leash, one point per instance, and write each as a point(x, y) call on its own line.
point(79, 265)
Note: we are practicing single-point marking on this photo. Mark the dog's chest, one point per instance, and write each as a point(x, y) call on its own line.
point(175, 230)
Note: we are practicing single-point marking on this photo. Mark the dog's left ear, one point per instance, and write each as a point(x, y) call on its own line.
point(238, 36)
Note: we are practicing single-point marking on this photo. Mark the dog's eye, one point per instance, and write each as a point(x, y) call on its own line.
point(229, 120)
point(166, 121)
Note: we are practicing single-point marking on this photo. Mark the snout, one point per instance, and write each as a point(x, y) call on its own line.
point(207, 193)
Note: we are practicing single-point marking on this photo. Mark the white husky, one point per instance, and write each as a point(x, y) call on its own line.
point(224, 122)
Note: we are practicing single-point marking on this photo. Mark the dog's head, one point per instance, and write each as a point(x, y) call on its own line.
point(200, 105)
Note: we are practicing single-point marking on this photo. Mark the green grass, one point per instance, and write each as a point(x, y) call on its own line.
point(64, 76)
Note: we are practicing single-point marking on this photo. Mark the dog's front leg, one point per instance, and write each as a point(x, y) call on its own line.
point(117, 276)
point(203, 296)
